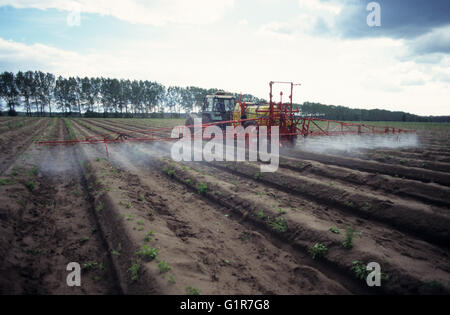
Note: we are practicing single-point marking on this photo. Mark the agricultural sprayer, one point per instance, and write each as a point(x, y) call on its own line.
point(221, 109)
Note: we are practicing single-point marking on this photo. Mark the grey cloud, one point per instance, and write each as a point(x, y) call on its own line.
point(436, 41)
point(405, 19)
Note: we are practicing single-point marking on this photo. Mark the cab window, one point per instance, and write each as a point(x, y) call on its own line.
point(219, 105)
point(229, 104)
point(208, 104)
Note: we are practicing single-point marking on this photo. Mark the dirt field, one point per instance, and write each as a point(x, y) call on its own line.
point(140, 223)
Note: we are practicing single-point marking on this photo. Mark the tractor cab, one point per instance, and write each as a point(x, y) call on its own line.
point(218, 107)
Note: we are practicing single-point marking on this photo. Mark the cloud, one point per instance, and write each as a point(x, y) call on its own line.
point(332, 7)
point(399, 18)
point(436, 41)
point(424, 26)
point(314, 17)
point(156, 12)
point(413, 82)
point(16, 56)
point(306, 46)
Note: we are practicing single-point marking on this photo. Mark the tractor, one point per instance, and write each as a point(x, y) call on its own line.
point(223, 107)
point(216, 108)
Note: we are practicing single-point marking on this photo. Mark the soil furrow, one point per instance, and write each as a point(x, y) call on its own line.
point(15, 143)
point(212, 213)
point(54, 227)
point(375, 167)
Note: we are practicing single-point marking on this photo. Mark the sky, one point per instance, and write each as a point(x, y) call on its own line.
point(401, 63)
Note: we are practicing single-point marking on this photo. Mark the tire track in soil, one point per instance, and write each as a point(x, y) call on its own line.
point(56, 227)
point(206, 212)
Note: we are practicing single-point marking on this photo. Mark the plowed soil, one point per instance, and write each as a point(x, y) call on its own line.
point(138, 222)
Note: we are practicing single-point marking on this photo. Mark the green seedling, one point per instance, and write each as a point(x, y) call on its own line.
point(171, 173)
point(30, 185)
point(260, 215)
point(134, 271)
point(348, 241)
point(90, 265)
point(34, 171)
point(6, 181)
point(360, 269)
point(334, 230)
point(148, 236)
point(192, 291)
point(318, 250)
point(148, 253)
point(163, 267)
point(172, 279)
point(278, 224)
point(367, 206)
point(202, 188)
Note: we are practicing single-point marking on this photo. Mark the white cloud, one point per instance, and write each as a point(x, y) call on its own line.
point(317, 5)
point(157, 12)
point(359, 74)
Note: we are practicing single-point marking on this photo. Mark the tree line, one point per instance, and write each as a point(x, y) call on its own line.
point(343, 113)
point(40, 94)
